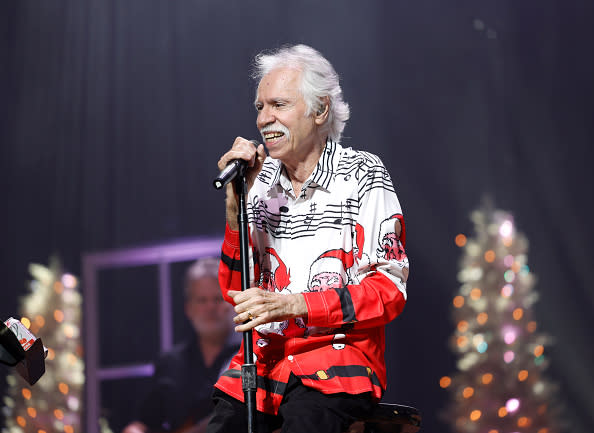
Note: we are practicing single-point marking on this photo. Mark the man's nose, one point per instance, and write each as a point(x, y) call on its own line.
point(265, 117)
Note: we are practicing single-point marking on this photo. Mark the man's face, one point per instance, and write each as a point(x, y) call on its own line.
point(206, 309)
point(289, 135)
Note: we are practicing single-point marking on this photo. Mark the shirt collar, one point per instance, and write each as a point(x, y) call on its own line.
point(322, 176)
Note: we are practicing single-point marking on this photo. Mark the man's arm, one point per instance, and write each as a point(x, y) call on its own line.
point(376, 300)
point(381, 294)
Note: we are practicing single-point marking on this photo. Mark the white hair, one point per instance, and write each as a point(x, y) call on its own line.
point(201, 268)
point(318, 81)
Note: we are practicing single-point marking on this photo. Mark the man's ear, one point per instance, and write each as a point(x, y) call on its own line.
point(321, 114)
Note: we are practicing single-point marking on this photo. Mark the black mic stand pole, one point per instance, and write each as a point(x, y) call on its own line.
point(248, 369)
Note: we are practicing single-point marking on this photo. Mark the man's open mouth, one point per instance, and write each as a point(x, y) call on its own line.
point(273, 135)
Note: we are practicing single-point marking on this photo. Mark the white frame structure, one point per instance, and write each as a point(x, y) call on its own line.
point(161, 255)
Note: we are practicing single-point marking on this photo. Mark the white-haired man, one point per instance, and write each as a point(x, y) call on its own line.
point(309, 197)
point(179, 398)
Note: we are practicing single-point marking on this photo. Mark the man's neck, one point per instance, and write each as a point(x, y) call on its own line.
point(299, 172)
point(211, 346)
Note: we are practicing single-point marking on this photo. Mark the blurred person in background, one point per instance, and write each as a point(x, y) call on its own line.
point(179, 399)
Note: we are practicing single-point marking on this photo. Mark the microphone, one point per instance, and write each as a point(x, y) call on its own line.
point(234, 168)
point(20, 348)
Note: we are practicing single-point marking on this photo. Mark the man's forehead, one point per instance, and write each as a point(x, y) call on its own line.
point(282, 81)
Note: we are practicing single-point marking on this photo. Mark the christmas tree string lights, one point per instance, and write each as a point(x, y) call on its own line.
point(499, 385)
point(52, 310)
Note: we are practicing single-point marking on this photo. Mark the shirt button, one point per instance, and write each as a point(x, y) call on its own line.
point(290, 358)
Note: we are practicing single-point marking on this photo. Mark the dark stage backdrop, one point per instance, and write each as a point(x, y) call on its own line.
point(114, 113)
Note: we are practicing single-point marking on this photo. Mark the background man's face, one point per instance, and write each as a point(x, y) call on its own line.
point(206, 309)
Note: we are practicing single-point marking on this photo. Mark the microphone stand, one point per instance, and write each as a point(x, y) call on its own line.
point(248, 369)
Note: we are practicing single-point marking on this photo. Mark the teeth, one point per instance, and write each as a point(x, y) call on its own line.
point(271, 135)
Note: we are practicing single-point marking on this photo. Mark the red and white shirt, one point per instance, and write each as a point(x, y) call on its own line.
point(335, 242)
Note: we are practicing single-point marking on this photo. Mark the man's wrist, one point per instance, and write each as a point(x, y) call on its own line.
point(299, 306)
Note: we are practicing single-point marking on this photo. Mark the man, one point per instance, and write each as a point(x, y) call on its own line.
point(331, 279)
point(179, 398)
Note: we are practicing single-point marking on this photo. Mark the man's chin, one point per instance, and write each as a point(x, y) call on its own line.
point(213, 331)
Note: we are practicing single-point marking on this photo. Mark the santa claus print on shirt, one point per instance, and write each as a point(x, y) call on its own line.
point(274, 275)
point(391, 245)
point(330, 270)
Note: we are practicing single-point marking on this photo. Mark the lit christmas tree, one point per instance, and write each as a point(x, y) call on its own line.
point(52, 312)
point(499, 386)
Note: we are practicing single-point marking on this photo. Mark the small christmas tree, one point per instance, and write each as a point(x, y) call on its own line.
point(499, 386)
point(52, 311)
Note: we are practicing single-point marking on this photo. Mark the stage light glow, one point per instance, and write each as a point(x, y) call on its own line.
point(482, 347)
point(26, 322)
point(481, 318)
point(460, 240)
point(531, 326)
point(458, 301)
point(509, 336)
point(489, 256)
point(509, 356)
point(59, 316)
point(512, 405)
point(518, 313)
point(26, 393)
point(58, 287)
point(538, 350)
point(475, 294)
point(73, 403)
point(462, 326)
point(468, 392)
point(462, 341)
point(507, 290)
point(506, 229)
point(445, 381)
point(69, 281)
point(487, 378)
point(475, 415)
point(502, 412)
point(523, 375)
point(509, 276)
point(508, 260)
point(39, 321)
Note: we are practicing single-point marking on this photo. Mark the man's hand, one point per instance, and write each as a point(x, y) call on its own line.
point(256, 307)
point(241, 149)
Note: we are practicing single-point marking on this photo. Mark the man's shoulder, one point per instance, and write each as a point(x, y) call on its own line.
point(360, 159)
point(177, 353)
